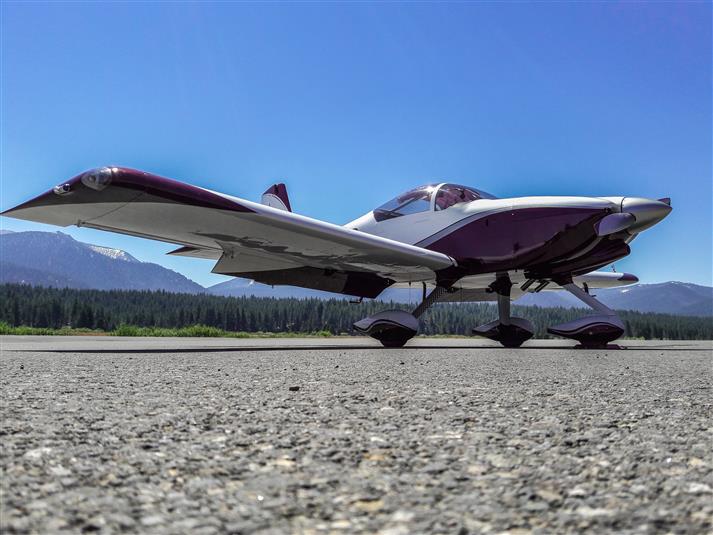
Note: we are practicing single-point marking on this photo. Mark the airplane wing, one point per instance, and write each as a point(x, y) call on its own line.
point(248, 239)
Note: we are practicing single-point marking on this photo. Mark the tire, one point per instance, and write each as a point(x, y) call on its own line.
point(394, 342)
point(512, 344)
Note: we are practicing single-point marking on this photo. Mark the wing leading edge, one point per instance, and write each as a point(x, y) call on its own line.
point(251, 240)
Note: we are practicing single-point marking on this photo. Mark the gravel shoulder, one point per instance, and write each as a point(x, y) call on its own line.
point(336, 435)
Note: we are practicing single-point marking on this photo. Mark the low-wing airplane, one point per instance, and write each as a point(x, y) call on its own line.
point(461, 243)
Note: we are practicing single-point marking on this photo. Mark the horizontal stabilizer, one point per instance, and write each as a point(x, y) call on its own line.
point(197, 252)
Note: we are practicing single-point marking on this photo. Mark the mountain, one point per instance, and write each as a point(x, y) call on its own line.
point(11, 273)
point(243, 287)
point(57, 259)
point(680, 298)
point(669, 297)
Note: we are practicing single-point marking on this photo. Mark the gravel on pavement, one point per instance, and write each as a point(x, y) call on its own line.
point(325, 436)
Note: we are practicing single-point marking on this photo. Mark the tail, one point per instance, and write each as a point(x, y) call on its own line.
point(276, 197)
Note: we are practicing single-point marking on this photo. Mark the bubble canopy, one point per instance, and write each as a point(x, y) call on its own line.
point(429, 197)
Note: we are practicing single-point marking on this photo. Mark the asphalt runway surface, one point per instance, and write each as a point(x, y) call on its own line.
point(341, 436)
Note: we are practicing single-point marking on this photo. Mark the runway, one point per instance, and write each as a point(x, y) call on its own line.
point(169, 435)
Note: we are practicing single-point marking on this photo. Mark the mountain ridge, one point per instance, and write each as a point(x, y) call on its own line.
point(56, 259)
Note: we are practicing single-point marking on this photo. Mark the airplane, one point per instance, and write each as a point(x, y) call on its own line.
point(456, 243)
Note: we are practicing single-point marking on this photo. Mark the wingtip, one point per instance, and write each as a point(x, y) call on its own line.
point(12, 212)
point(16, 211)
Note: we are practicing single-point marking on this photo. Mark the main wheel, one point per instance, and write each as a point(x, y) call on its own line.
point(394, 341)
point(512, 343)
point(393, 328)
point(512, 335)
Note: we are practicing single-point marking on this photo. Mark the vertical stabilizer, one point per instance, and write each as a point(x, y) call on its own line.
point(276, 197)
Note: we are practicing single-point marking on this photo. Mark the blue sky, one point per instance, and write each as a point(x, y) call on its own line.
point(350, 104)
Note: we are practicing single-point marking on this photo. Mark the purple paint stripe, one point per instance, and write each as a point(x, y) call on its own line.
point(173, 190)
point(156, 186)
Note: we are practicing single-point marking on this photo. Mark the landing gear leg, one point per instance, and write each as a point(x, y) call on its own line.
point(393, 328)
point(434, 296)
point(508, 330)
point(592, 332)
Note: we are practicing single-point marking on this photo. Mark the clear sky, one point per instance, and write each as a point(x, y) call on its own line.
point(353, 103)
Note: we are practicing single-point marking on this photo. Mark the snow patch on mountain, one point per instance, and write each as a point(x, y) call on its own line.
point(116, 254)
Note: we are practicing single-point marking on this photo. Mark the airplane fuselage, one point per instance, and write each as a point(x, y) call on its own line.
point(544, 237)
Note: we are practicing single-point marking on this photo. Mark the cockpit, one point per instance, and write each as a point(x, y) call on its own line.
point(429, 197)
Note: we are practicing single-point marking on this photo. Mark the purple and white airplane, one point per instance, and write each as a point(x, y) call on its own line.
point(456, 242)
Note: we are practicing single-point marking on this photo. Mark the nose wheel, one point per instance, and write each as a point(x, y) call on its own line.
point(513, 334)
point(592, 332)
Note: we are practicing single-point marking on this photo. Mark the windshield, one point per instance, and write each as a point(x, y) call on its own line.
point(450, 194)
point(419, 200)
point(412, 202)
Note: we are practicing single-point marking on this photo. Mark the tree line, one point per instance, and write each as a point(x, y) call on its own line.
point(33, 306)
